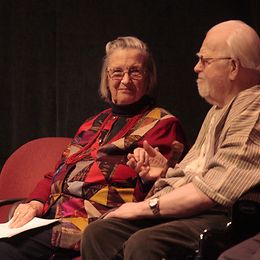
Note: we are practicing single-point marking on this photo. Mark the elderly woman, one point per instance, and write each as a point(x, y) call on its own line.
point(92, 176)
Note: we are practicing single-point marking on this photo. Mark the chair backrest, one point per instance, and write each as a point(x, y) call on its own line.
point(245, 215)
point(26, 166)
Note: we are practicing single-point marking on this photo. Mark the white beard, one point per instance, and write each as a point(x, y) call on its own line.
point(204, 89)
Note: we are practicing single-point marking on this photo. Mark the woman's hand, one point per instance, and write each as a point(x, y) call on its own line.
point(25, 212)
point(147, 161)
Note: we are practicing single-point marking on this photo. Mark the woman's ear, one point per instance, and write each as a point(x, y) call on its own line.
point(234, 69)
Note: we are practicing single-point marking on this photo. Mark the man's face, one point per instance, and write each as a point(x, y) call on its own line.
point(213, 71)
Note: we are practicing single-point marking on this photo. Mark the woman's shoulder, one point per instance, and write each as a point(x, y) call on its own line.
point(160, 113)
point(90, 120)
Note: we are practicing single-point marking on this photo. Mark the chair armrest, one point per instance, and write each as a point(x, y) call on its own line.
point(14, 202)
point(10, 201)
point(244, 222)
point(213, 241)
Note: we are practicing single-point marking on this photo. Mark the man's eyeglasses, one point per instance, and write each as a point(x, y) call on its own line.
point(133, 73)
point(206, 61)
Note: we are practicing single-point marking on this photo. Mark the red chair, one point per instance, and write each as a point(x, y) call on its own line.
point(25, 167)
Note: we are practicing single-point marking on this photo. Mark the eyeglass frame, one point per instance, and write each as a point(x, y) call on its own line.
point(208, 60)
point(128, 71)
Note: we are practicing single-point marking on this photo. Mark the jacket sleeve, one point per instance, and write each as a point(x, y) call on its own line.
point(234, 168)
point(43, 188)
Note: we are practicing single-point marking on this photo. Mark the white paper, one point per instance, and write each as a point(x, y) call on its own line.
point(5, 231)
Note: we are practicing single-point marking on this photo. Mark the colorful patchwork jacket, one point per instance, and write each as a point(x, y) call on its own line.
point(92, 176)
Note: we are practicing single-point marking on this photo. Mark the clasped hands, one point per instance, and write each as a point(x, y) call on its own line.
point(148, 162)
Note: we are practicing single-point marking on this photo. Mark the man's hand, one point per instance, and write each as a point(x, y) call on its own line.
point(147, 161)
point(130, 210)
point(25, 212)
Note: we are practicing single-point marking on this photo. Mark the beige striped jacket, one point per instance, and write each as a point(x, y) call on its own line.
point(232, 164)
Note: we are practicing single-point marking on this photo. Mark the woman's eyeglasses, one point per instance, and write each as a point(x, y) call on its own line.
point(133, 73)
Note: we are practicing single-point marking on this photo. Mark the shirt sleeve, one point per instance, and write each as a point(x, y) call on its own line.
point(234, 168)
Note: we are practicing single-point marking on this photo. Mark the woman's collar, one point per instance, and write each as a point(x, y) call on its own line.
point(132, 109)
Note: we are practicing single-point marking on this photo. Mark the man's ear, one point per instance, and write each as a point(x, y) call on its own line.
point(234, 69)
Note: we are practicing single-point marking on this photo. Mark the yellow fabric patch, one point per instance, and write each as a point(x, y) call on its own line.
point(55, 196)
point(80, 223)
point(120, 143)
point(101, 196)
point(143, 130)
point(126, 194)
point(155, 113)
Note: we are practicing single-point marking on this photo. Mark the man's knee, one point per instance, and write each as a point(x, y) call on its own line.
point(91, 232)
point(142, 244)
point(92, 229)
point(138, 240)
point(152, 244)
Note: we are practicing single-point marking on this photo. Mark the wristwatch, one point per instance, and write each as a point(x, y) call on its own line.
point(154, 206)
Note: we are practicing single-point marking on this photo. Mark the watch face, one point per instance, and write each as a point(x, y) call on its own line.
point(153, 202)
point(154, 206)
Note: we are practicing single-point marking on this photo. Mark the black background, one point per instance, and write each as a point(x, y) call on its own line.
point(51, 53)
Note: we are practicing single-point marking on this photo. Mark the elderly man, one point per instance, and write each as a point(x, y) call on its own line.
point(221, 166)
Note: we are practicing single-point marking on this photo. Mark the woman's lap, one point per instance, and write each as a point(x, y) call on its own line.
point(32, 244)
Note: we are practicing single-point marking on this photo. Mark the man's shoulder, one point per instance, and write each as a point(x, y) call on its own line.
point(252, 93)
point(248, 99)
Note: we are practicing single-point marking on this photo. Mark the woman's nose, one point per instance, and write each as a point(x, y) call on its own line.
point(126, 78)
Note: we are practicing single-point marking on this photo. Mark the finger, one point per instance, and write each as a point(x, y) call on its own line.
point(17, 213)
point(144, 172)
point(21, 220)
point(146, 158)
point(131, 163)
point(139, 167)
point(14, 218)
point(149, 149)
point(130, 155)
point(139, 154)
point(16, 221)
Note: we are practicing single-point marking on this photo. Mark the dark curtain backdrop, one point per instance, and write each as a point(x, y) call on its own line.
point(51, 53)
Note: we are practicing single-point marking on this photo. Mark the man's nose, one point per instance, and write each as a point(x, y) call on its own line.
point(198, 67)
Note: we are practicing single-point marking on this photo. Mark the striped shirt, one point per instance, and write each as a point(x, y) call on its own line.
point(231, 159)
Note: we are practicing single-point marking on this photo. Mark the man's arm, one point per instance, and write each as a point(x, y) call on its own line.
point(184, 201)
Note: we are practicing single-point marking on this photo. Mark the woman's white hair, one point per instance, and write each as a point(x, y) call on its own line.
point(125, 43)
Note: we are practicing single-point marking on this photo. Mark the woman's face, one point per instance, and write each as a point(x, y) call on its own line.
point(126, 76)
